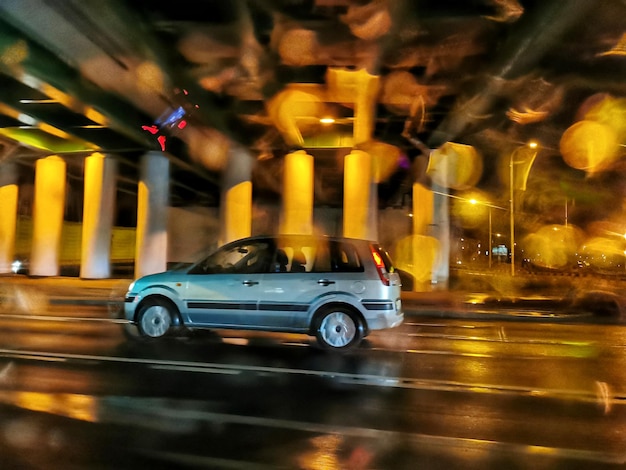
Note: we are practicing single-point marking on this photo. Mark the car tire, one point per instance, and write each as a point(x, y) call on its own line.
point(338, 328)
point(156, 318)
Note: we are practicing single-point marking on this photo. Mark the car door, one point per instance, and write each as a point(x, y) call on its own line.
point(223, 290)
point(287, 293)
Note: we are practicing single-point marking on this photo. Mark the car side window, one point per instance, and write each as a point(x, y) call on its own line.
point(293, 258)
point(247, 258)
point(344, 258)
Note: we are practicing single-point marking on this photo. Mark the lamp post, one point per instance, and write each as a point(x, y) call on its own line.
point(512, 214)
point(489, 206)
point(490, 243)
point(527, 162)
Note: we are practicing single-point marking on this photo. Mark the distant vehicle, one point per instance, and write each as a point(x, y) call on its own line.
point(335, 289)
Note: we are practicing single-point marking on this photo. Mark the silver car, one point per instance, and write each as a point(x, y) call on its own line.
point(335, 289)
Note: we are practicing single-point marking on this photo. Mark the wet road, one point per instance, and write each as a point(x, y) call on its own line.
point(77, 392)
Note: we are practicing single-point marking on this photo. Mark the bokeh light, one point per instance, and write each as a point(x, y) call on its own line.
point(553, 246)
point(471, 209)
point(589, 145)
point(455, 166)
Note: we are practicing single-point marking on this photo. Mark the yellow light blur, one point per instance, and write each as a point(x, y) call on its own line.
point(604, 253)
point(15, 114)
point(96, 116)
point(54, 131)
point(455, 166)
point(15, 53)
point(385, 158)
point(553, 246)
point(417, 255)
point(589, 145)
point(149, 77)
point(58, 95)
point(324, 454)
point(471, 208)
point(296, 111)
point(37, 138)
point(83, 407)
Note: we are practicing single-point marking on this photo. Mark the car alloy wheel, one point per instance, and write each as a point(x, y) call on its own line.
point(155, 320)
point(338, 328)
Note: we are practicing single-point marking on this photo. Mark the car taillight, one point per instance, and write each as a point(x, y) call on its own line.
point(380, 266)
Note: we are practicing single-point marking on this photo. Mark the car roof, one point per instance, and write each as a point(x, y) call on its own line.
point(304, 237)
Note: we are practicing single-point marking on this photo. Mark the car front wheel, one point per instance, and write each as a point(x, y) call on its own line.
point(155, 318)
point(338, 328)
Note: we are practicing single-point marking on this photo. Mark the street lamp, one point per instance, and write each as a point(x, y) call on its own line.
point(523, 156)
point(474, 201)
point(489, 207)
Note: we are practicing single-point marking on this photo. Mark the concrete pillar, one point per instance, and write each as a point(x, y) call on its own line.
point(48, 214)
point(8, 214)
point(423, 200)
point(441, 225)
point(356, 195)
point(236, 197)
point(372, 220)
point(297, 208)
point(99, 200)
point(237, 215)
point(152, 208)
point(367, 87)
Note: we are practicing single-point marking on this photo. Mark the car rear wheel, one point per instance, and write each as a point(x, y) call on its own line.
point(156, 318)
point(338, 328)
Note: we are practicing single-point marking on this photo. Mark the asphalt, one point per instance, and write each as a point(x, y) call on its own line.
point(32, 292)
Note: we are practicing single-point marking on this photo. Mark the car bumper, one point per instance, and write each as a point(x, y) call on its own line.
point(386, 320)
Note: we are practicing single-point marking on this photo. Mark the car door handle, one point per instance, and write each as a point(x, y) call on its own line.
point(325, 282)
point(250, 283)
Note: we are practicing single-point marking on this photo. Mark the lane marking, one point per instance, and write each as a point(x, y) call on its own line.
point(587, 396)
point(17, 316)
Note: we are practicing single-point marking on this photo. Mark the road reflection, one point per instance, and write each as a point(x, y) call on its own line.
point(437, 392)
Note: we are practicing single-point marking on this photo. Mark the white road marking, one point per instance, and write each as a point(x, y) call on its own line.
point(343, 377)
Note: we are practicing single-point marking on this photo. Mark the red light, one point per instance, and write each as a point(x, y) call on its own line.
point(182, 124)
point(377, 259)
point(380, 266)
point(161, 140)
point(151, 129)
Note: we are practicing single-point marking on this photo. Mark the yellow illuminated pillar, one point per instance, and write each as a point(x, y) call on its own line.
point(424, 248)
point(236, 204)
point(356, 195)
point(48, 211)
point(367, 86)
point(297, 211)
point(152, 207)
point(237, 212)
point(8, 215)
point(99, 200)
point(423, 200)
